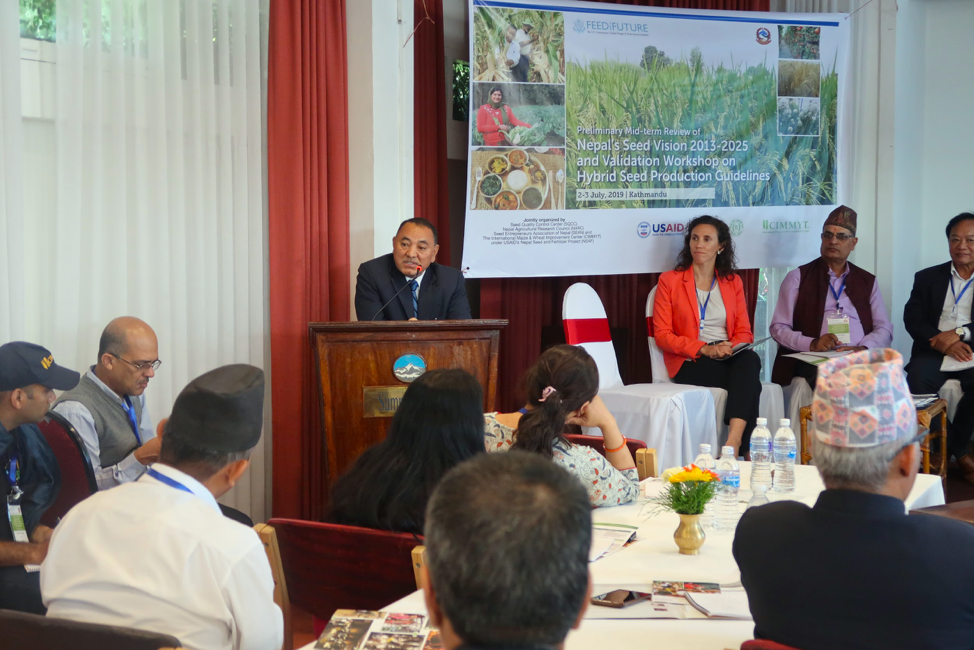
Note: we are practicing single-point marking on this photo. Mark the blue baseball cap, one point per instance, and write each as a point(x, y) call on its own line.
point(24, 364)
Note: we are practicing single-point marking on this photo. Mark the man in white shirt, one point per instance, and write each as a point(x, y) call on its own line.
point(157, 554)
point(938, 316)
point(516, 61)
point(108, 407)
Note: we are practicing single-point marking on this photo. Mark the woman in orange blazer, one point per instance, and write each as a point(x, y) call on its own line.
point(697, 328)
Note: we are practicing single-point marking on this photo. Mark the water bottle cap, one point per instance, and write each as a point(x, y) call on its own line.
point(727, 449)
point(704, 448)
point(785, 422)
point(762, 422)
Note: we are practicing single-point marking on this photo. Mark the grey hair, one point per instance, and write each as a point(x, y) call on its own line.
point(182, 452)
point(863, 468)
point(507, 543)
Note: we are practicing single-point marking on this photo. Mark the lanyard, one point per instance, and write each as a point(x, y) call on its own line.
point(130, 412)
point(962, 292)
point(836, 295)
point(162, 478)
point(13, 472)
point(703, 307)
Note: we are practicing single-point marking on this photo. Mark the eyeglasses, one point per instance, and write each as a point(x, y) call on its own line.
point(140, 367)
point(841, 236)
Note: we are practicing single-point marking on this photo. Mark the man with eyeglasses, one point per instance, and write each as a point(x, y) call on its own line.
point(828, 304)
point(871, 576)
point(108, 406)
point(938, 317)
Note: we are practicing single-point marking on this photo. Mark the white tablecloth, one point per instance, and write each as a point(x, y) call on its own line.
point(654, 557)
point(671, 418)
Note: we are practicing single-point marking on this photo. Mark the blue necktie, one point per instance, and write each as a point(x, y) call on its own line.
point(415, 288)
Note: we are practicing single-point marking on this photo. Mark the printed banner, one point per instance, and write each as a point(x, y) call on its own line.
point(598, 131)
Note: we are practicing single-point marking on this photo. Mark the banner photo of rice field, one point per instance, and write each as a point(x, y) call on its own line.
point(665, 114)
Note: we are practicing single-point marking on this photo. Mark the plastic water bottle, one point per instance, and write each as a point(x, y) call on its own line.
point(784, 458)
point(760, 496)
point(761, 457)
point(729, 472)
point(705, 460)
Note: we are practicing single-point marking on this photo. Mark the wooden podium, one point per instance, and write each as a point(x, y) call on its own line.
point(357, 379)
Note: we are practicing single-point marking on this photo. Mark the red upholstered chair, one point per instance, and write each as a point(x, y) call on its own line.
point(322, 567)
point(77, 475)
point(765, 644)
point(645, 458)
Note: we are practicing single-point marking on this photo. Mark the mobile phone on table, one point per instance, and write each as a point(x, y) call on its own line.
point(621, 598)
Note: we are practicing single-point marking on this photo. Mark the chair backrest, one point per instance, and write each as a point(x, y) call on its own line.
point(656, 362)
point(645, 457)
point(77, 475)
point(765, 644)
point(329, 566)
point(34, 632)
point(587, 326)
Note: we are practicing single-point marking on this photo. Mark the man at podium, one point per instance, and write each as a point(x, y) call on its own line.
point(434, 292)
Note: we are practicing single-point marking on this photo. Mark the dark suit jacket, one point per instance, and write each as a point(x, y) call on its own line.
point(441, 294)
point(855, 572)
point(922, 312)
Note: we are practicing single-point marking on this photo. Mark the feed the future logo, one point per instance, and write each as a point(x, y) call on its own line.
point(580, 26)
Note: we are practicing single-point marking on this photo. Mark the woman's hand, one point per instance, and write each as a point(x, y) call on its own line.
point(718, 350)
point(592, 414)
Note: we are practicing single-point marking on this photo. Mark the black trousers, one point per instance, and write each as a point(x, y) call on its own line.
point(20, 590)
point(923, 374)
point(740, 376)
point(521, 69)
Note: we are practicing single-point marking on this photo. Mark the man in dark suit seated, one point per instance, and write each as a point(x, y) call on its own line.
point(435, 292)
point(855, 571)
point(507, 543)
point(938, 317)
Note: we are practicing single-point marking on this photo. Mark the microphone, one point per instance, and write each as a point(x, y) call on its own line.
point(419, 269)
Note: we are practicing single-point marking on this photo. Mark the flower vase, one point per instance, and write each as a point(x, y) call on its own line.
point(689, 535)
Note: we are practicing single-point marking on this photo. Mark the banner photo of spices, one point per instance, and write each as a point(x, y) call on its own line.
point(598, 131)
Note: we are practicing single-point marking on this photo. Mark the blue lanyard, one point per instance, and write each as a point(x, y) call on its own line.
point(703, 307)
point(130, 412)
point(962, 291)
point(13, 470)
point(162, 478)
point(835, 294)
point(522, 411)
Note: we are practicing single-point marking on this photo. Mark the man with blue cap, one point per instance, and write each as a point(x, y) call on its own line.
point(855, 571)
point(30, 475)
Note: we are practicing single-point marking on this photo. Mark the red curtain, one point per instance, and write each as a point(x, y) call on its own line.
point(307, 176)
point(432, 199)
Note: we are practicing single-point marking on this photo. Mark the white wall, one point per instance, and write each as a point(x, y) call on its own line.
point(934, 139)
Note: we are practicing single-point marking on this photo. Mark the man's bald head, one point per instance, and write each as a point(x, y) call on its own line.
point(127, 342)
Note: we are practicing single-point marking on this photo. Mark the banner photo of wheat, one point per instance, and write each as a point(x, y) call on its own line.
point(656, 116)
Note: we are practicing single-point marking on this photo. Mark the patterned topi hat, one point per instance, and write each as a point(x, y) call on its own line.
point(844, 217)
point(862, 400)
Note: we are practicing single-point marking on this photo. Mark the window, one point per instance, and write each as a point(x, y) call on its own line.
point(461, 90)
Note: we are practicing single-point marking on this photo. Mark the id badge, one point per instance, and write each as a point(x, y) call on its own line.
point(16, 518)
point(838, 324)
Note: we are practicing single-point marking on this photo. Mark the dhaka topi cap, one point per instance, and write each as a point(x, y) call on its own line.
point(844, 217)
point(24, 364)
point(222, 410)
point(862, 400)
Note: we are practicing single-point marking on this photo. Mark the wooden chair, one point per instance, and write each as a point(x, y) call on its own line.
point(34, 632)
point(77, 475)
point(646, 464)
point(322, 567)
point(924, 419)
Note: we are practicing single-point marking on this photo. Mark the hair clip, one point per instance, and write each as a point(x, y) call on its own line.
point(546, 393)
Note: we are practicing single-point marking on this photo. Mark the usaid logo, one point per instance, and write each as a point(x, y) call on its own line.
point(643, 229)
point(579, 26)
point(668, 229)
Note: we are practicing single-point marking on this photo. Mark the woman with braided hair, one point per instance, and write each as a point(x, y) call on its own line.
point(562, 388)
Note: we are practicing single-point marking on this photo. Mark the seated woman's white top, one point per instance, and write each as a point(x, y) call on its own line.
point(606, 485)
point(715, 324)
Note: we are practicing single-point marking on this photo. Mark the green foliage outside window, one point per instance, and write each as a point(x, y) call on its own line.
point(37, 19)
point(461, 90)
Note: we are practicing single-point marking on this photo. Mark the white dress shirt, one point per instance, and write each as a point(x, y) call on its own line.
point(514, 52)
point(126, 470)
point(154, 557)
point(962, 315)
